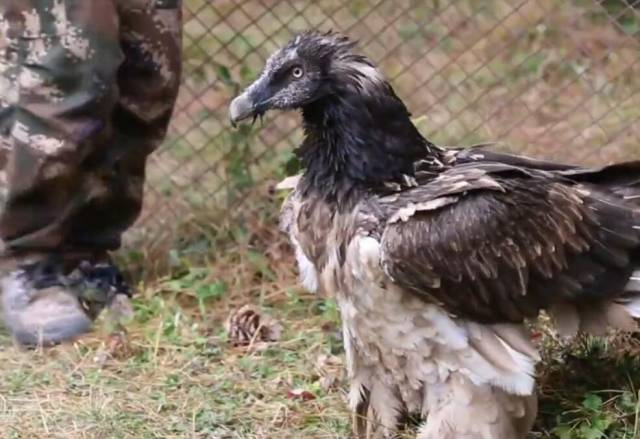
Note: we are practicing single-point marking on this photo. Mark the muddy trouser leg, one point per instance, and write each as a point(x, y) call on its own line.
point(86, 93)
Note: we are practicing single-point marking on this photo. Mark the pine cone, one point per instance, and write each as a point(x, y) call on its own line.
point(246, 325)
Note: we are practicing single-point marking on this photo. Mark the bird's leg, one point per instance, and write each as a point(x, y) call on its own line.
point(360, 417)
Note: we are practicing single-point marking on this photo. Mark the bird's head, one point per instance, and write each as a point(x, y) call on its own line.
point(303, 71)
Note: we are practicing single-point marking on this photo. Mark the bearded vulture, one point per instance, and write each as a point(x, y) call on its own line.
point(437, 256)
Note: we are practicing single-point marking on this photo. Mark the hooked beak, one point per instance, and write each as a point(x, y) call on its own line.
point(241, 108)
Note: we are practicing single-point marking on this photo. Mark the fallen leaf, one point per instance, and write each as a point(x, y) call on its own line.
point(301, 394)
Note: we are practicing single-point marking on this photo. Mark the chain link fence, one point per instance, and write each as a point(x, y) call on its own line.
point(556, 79)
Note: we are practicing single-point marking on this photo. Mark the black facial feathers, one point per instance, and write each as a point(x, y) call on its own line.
point(358, 133)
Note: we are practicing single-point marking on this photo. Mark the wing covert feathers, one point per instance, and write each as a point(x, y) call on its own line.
point(499, 246)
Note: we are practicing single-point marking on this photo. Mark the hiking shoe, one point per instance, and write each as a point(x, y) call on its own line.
point(43, 305)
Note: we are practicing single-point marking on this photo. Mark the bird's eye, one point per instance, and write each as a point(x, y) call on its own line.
point(297, 72)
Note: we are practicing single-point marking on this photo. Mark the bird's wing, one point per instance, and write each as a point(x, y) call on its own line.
point(497, 243)
point(480, 153)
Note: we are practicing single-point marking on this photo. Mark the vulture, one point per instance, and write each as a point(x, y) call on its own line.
point(439, 256)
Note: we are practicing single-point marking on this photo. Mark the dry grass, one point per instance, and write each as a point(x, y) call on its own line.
point(174, 374)
point(555, 84)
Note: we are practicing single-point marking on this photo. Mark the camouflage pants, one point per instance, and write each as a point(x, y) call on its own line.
point(87, 88)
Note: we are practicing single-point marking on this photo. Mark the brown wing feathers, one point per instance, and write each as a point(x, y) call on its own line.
point(502, 255)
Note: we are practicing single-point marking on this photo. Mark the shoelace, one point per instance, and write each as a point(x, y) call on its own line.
point(91, 282)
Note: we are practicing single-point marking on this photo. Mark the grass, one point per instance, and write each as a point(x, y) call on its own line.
point(174, 373)
point(560, 85)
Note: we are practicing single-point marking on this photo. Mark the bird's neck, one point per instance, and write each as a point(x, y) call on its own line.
point(357, 143)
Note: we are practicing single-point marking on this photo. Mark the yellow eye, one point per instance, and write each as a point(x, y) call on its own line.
point(297, 72)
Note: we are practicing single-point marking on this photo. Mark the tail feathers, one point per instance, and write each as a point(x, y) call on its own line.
point(624, 174)
point(622, 179)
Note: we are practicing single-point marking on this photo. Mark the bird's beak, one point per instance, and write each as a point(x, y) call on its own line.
point(241, 108)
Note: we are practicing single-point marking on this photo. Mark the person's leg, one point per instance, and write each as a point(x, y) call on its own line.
point(58, 66)
point(148, 80)
point(61, 66)
point(76, 129)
